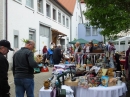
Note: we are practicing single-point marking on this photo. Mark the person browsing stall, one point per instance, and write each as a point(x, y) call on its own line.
point(23, 64)
point(4, 65)
point(57, 55)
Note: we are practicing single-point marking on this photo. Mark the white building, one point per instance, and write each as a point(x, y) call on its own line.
point(43, 21)
point(2, 19)
point(73, 6)
point(76, 19)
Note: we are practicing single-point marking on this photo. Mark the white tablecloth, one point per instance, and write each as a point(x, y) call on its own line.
point(46, 93)
point(113, 91)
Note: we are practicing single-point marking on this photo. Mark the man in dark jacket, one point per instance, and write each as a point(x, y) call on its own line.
point(4, 65)
point(57, 55)
point(23, 64)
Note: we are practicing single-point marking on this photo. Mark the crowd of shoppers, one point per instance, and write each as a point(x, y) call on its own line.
point(24, 63)
point(53, 54)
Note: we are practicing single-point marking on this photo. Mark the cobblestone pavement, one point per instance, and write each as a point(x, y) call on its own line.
point(38, 79)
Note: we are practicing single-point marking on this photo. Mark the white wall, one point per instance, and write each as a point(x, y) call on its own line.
point(22, 18)
point(75, 20)
point(84, 8)
point(122, 47)
point(2, 22)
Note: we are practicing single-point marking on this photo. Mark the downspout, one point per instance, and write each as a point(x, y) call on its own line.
point(6, 22)
point(6, 19)
point(70, 28)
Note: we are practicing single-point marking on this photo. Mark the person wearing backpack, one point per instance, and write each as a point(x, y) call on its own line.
point(50, 56)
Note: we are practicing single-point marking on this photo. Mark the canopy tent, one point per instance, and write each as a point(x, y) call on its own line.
point(126, 39)
point(72, 42)
point(81, 41)
point(95, 41)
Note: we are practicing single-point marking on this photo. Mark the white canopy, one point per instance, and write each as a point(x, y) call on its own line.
point(126, 39)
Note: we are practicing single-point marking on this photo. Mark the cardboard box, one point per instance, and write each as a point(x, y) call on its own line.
point(68, 82)
point(113, 83)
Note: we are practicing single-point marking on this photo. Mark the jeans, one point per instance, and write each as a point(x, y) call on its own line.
point(22, 85)
point(51, 59)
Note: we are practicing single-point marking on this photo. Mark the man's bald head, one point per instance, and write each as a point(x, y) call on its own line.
point(30, 44)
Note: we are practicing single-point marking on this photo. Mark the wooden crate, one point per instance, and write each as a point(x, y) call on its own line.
point(98, 51)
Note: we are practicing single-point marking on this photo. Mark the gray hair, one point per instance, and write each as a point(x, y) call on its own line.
point(29, 41)
point(77, 42)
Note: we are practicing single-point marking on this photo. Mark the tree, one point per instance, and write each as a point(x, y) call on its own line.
point(111, 15)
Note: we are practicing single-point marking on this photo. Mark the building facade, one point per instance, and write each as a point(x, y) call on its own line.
point(43, 21)
point(73, 6)
point(76, 20)
point(85, 30)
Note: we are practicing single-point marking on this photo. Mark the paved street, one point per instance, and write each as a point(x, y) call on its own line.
point(39, 78)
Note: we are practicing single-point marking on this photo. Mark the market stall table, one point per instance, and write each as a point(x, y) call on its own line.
point(113, 91)
point(47, 93)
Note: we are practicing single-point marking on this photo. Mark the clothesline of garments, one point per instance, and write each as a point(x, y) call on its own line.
point(93, 58)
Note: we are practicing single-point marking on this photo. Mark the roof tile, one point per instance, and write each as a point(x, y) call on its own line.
point(68, 4)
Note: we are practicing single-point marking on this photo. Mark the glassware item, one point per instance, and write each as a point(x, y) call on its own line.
point(118, 73)
point(119, 82)
point(87, 68)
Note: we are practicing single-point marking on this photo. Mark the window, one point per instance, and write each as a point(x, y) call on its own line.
point(67, 22)
point(29, 3)
point(76, 16)
point(48, 10)
point(16, 38)
point(54, 14)
point(15, 41)
point(94, 31)
point(40, 5)
point(88, 33)
point(32, 34)
point(63, 17)
point(76, 32)
point(59, 17)
point(44, 31)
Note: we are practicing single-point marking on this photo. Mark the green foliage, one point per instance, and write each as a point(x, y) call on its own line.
point(111, 15)
point(24, 40)
point(75, 39)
